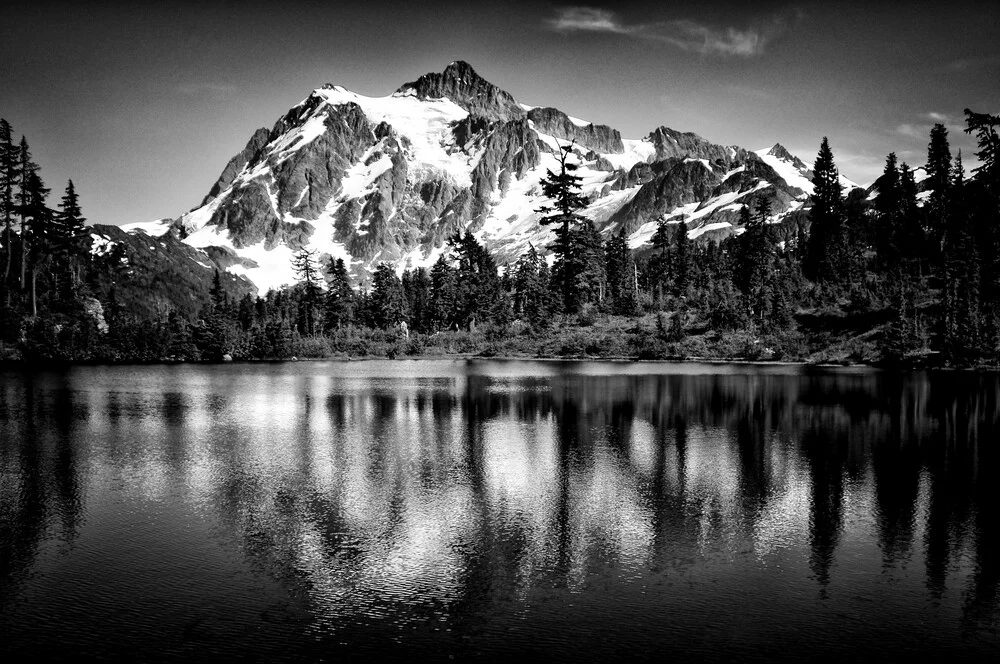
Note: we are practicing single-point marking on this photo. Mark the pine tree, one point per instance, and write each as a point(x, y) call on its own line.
point(69, 238)
point(660, 264)
point(340, 300)
point(939, 181)
point(563, 190)
point(826, 232)
point(388, 303)
point(26, 168)
point(985, 127)
point(755, 261)
point(444, 293)
point(36, 234)
point(585, 266)
point(531, 289)
point(682, 270)
point(310, 280)
point(9, 163)
point(620, 270)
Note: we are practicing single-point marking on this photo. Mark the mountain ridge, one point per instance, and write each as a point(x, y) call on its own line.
point(371, 179)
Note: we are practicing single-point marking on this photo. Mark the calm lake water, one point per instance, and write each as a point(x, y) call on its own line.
point(485, 510)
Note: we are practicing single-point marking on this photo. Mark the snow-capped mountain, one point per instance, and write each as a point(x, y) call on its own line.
point(372, 179)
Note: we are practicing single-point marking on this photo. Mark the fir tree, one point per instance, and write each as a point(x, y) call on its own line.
point(36, 234)
point(387, 301)
point(26, 168)
point(310, 280)
point(531, 289)
point(563, 190)
point(620, 271)
point(444, 293)
point(825, 234)
point(69, 240)
point(939, 181)
point(340, 300)
point(682, 261)
point(985, 126)
point(9, 163)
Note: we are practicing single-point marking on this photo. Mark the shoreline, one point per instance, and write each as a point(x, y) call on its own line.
point(26, 364)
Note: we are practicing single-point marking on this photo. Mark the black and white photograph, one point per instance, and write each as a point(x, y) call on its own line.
point(499, 332)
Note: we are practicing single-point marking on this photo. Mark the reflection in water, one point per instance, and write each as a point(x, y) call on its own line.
point(473, 509)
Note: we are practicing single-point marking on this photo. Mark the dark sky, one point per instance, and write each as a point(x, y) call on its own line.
point(143, 105)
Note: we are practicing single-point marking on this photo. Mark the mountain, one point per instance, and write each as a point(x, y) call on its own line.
point(371, 179)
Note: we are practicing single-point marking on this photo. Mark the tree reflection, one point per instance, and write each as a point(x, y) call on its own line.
point(456, 497)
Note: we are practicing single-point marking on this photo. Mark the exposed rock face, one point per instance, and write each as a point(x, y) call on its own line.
point(93, 308)
point(779, 151)
point(460, 83)
point(687, 182)
point(150, 275)
point(392, 178)
point(251, 152)
point(599, 138)
point(671, 143)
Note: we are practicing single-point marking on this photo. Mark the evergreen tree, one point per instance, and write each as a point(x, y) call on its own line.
point(36, 235)
point(584, 268)
point(9, 163)
point(755, 262)
point(563, 190)
point(620, 271)
point(444, 294)
point(660, 263)
point(26, 168)
point(683, 260)
point(420, 300)
point(825, 216)
point(939, 181)
point(310, 280)
point(531, 289)
point(69, 239)
point(985, 126)
point(340, 300)
point(387, 301)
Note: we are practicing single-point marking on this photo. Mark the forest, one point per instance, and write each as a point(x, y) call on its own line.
point(910, 276)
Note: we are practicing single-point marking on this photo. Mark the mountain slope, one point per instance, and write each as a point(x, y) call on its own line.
point(372, 179)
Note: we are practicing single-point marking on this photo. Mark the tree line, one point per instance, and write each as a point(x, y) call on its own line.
point(911, 273)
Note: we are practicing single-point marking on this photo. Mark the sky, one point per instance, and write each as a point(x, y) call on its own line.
point(142, 104)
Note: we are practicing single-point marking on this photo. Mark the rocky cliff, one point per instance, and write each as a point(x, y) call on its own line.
point(373, 179)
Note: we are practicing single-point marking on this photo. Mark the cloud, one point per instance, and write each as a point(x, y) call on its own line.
point(938, 117)
point(587, 19)
point(685, 34)
point(911, 130)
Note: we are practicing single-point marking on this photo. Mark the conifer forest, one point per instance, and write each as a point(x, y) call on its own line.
point(899, 274)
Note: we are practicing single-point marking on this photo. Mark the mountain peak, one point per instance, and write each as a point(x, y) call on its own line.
point(460, 83)
point(778, 150)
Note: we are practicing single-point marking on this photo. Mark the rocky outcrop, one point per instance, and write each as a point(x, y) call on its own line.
point(311, 175)
point(672, 143)
point(687, 182)
point(252, 152)
point(599, 138)
point(779, 151)
point(460, 83)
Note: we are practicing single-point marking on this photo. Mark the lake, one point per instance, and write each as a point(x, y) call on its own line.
point(483, 510)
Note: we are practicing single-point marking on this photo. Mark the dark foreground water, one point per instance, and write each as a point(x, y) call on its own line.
point(487, 510)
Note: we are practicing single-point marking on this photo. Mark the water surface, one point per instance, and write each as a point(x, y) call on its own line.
point(484, 510)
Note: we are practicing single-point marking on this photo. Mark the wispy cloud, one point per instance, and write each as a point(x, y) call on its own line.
point(939, 117)
point(911, 130)
point(685, 34)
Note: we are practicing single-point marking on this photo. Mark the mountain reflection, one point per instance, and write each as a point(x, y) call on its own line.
point(388, 499)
